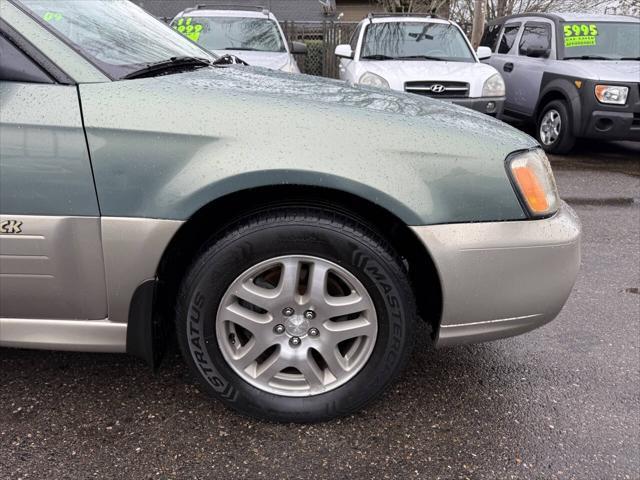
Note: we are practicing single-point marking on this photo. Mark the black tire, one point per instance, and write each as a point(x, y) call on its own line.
point(336, 237)
point(565, 140)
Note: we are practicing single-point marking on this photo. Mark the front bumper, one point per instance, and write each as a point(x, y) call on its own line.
point(501, 279)
point(609, 122)
point(489, 105)
point(612, 125)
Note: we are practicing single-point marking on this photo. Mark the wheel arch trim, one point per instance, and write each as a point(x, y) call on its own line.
point(565, 88)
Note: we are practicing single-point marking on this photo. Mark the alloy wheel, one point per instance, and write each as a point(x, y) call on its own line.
point(550, 127)
point(296, 325)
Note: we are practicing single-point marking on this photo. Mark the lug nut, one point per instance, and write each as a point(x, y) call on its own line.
point(287, 312)
point(309, 314)
point(279, 328)
point(314, 332)
point(295, 341)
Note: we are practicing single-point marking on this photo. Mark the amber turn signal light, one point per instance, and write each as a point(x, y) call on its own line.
point(533, 179)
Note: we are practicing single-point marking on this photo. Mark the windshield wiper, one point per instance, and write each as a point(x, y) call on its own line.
point(588, 57)
point(168, 66)
point(629, 58)
point(243, 49)
point(377, 57)
point(421, 57)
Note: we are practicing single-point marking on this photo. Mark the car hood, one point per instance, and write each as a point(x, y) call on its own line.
point(271, 60)
point(321, 97)
point(609, 70)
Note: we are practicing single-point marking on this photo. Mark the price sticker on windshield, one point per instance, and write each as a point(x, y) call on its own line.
point(52, 17)
point(188, 28)
point(580, 35)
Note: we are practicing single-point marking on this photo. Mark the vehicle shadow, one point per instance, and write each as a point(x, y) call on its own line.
point(116, 410)
point(446, 376)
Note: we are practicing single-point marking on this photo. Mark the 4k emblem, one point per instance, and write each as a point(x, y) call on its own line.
point(10, 226)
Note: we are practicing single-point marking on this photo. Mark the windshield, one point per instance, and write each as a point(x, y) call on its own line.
point(605, 40)
point(117, 36)
point(232, 33)
point(404, 40)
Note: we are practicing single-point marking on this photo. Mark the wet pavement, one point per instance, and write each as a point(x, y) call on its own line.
point(562, 402)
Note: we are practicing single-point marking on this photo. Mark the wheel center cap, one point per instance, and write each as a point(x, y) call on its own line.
point(296, 325)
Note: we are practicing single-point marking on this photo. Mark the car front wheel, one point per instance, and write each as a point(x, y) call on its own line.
point(296, 315)
point(554, 129)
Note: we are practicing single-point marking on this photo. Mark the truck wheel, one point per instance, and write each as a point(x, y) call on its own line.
point(554, 128)
point(296, 315)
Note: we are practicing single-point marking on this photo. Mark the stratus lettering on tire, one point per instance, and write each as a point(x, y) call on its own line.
point(200, 355)
point(296, 314)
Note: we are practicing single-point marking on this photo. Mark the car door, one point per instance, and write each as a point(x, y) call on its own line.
point(525, 78)
point(504, 58)
point(51, 263)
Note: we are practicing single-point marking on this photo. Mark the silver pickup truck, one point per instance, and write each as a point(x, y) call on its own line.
point(573, 76)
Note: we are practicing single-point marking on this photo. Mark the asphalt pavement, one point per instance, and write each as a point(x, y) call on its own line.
point(562, 402)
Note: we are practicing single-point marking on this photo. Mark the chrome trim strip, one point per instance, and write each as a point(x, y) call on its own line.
point(487, 322)
point(73, 335)
point(132, 249)
point(489, 330)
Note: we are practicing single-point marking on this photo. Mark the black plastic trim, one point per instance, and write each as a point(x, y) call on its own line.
point(144, 334)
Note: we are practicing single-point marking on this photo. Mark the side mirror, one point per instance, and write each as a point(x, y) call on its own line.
point(344, 51)
point(298, 48)
point(484, 53)
point(537, 52)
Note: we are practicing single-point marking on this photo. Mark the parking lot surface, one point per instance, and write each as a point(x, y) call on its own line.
point(560, 402)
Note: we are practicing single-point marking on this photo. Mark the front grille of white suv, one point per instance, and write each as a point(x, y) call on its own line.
point(437, 89)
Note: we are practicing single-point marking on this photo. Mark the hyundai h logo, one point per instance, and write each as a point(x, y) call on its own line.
point(437, 88)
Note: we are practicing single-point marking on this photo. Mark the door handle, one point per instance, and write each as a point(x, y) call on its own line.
point(508, 67)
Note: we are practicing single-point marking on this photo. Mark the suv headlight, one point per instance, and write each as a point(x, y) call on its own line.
point(532, 176)
point(373, 80)
point(493, 86)
point(614, 94)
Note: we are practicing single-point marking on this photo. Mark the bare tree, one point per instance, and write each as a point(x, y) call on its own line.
point(462, 11)
point(478, 22)
point(624, 7)
point(408, 6)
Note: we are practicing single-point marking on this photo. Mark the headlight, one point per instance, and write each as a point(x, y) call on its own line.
point(532, 176)
point(493, 86)
point(373, 80)
point(614, 94)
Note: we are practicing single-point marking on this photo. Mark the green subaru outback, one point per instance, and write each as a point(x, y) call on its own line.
point(294, 232)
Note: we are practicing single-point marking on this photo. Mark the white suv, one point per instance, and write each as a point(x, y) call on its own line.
point(420, 54)
point(250, 33)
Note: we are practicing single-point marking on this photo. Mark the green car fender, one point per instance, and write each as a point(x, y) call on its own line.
point(165, 147)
